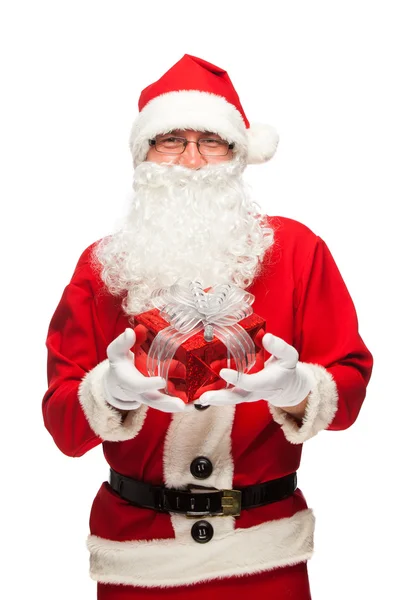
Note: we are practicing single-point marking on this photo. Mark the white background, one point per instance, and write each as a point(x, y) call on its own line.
point(326, 75)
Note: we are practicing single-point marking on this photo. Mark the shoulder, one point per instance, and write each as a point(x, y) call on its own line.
point(291, 238)
point(289, 229)
point(87, 270)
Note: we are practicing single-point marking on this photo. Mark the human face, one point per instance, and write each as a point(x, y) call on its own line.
point(191, 157)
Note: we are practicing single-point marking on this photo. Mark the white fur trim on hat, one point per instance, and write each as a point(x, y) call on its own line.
point(172, 562)
point(201, 111)
point(320, 409)
point(105, 420)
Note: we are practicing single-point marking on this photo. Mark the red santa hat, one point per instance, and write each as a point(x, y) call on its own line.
point(194, 94)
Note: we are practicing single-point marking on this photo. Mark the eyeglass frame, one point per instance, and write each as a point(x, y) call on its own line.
point(153, 144)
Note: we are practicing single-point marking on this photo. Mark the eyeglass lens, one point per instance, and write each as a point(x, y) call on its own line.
point(177, 145)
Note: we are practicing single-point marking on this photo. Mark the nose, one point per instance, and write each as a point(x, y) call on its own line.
point(192, 158)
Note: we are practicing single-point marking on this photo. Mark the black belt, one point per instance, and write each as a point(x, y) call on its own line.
point(199, 500)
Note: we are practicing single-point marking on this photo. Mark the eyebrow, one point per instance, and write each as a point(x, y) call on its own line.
point(181, 131)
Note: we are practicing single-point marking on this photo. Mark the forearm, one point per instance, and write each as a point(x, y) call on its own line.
point(123, 413)
point(298, 411)
point(65, 420)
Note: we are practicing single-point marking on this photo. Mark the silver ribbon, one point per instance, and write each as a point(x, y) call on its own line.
point(189, 309)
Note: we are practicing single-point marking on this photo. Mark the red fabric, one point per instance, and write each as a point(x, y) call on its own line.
point(301, 295)
point(288, 583)
point(192, 73)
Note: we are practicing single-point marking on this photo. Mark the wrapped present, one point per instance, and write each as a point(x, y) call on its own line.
point(193, 333)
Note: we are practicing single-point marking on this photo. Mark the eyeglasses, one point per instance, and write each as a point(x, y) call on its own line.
point(169, 144)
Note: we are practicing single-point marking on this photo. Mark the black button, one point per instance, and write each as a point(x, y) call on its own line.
point(201, 467)
point(200, 407)
point(202, 532)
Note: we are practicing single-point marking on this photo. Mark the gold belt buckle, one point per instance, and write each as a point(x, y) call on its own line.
point(231, 503)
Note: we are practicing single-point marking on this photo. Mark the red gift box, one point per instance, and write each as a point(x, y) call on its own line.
point(196, 364)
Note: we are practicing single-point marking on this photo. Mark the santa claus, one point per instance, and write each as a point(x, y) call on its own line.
point(202, 497)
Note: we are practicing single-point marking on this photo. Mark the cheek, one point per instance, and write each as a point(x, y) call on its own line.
point(156, 157)
point(219, 159)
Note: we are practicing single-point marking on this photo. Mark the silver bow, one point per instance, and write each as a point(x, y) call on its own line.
point(189, 309)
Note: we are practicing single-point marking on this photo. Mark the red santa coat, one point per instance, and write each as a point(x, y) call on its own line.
point(304, 300)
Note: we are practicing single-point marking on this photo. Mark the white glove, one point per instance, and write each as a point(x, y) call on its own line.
point(282, 382)
point(126, 388)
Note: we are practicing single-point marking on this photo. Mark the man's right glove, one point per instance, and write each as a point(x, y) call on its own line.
point(126, 388)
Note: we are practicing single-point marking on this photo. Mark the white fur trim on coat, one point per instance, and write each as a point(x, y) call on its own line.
point(105, 420)
point(320, 409)
point(201, 111)
point(169, 562)
point(196, 433)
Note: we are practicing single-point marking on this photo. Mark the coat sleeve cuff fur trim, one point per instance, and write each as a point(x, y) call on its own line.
point(320, 410)
point(105, 420)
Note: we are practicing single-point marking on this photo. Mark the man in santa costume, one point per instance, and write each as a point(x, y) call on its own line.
point(202, 498)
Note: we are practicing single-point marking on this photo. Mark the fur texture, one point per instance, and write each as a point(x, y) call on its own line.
point(200, 111)
point(165, 563)
point(262, 143)
point(210, 436)
point(320, 410)
point(103, 418)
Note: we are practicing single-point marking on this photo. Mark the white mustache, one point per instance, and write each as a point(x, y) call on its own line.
point(154, 175)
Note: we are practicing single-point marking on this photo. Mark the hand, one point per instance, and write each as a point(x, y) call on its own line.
point(282, 382)
point(126, 388)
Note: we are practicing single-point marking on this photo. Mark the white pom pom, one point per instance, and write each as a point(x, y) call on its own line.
point(262, 143)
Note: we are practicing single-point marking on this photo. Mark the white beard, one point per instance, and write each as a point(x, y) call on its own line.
point(197, 224)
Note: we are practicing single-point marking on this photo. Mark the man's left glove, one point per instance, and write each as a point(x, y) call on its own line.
point(284, 381)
